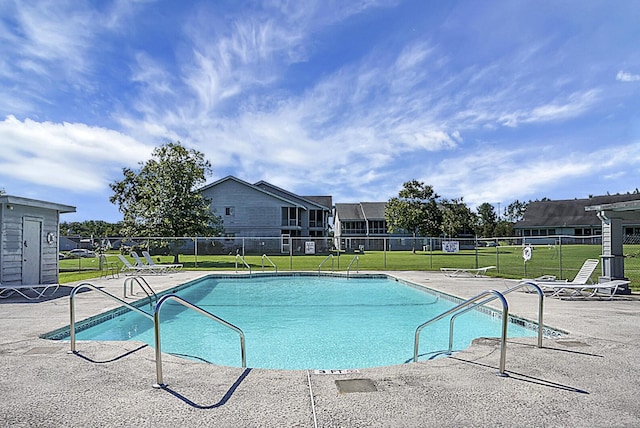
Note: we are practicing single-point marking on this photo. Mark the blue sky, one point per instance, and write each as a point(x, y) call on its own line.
point(491, 101)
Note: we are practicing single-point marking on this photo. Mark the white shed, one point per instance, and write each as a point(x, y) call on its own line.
point(29, 240)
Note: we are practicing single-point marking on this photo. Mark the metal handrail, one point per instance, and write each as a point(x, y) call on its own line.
point(330, 256)
point(490, 299)
point(244, 262)
point(463, 305)
point(130, 280)
point(156, 318)
point(72, 323)
point(264, 256)
point(355, 259)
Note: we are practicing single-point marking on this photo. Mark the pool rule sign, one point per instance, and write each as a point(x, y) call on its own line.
point(309, 247)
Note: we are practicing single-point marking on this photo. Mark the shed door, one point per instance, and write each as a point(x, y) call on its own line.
point(31, 251)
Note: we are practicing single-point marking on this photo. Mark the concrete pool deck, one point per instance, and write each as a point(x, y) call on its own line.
point(586, 378)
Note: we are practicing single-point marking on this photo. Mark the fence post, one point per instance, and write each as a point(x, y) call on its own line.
point(384, 253)
point(476, 248)
point(560, 256)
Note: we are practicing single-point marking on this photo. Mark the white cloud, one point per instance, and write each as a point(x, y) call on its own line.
point(69, 156)
point(623, 76)
point(493, 175)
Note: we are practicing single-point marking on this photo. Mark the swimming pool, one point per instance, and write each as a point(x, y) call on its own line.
point(305, 322)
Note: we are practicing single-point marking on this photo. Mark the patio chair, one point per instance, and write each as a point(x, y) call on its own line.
point(129, 269)
point(554, 286)
point(173, 267)
point(31, 292)
point(475, 272)
point(607, 288)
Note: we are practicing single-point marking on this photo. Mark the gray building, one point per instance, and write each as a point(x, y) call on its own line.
point(570, 217)
point(362, 226)
point(265, 210)
point(29, 240)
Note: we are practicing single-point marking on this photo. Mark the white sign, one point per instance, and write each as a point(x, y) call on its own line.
point(309, 247)
point(450, 246)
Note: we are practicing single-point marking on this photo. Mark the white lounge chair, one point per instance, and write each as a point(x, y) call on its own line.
point(170, 266)
point(477, 272)
point(31, 292)
point(128, 268)
point(607, 288)
point(550, 284)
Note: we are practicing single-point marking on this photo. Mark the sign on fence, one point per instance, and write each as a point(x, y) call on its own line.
point(450, 246)
point(309, 247)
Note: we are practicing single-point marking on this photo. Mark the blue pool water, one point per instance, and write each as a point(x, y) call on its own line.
point(304, 322)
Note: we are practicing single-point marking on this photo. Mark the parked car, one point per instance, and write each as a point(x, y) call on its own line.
point(80, 252)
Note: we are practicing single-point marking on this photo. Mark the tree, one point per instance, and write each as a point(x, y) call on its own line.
point(90, 228)
point(488, 219)
point(515, 211)
point(457, 218)
point(415, 210)
point(161, 198)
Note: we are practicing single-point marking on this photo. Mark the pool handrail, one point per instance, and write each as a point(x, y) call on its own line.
point(355, 259)
point(130, 280)
point(490, 299)
point(156, 322)
point(330, 256)
point(264, 256)
point(244, 262)
point(72, 311)
point(463, 305)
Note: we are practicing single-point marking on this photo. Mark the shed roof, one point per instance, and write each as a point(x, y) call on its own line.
point(18, 200)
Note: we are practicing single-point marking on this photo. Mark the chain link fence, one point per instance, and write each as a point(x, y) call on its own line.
point(561, 256)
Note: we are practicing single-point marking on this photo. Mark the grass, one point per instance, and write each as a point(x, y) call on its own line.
point(563, 262)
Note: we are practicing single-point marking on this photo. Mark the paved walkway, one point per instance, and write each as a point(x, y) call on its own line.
point(585, 379)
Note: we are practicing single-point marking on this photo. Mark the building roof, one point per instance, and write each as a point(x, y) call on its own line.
point(17, 200)
point(321, 201)
point(569, 212)
point(304, 202)
point(361, 211)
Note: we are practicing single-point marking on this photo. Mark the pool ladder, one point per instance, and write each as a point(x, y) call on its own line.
point(144, 285)
point(244, 262)
point(476, 301)
point(264, 256)
point(355, 259)
point(155, 318)
point(329, 257)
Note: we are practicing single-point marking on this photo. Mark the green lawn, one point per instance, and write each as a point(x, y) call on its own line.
point(562, 262)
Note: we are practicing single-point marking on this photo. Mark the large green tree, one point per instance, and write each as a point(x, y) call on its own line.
point(488, 219)
point(457, 218)
point(162, 198)
point(414, 210)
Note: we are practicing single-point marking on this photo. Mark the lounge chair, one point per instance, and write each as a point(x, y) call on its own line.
point(128, 268)
point(31, 292)
point(550, 284)
point(174, 267)
point(607, 288)
point(475, 272)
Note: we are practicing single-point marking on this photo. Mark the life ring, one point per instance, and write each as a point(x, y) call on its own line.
point(526, 253)
point(51, 238)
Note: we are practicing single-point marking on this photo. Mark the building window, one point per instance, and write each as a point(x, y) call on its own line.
point(291, 217)
point(316, 218)
point(229, 211)
point(377, 227)
point(353, 228)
